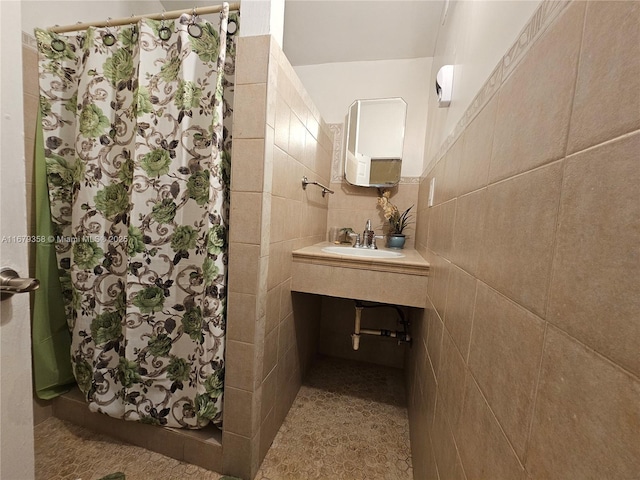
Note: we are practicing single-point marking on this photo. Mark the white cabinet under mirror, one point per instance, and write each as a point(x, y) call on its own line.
point(374, 142)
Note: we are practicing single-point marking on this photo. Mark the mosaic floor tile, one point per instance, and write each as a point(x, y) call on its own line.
point(349, 421)
point(65, 451)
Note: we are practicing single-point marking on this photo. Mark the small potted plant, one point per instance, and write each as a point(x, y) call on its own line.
point(397, 221)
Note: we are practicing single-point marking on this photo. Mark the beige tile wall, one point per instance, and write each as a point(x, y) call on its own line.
point(352, 206)
point(526, 364)
point(279, 137)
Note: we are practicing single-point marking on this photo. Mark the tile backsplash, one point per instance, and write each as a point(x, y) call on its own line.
point(352, 206)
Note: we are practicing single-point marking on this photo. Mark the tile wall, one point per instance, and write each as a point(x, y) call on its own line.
point(526, 364)
point(279, 137)
point(352, 206)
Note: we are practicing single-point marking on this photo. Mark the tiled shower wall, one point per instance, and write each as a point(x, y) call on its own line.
point(278, 137)
point(526, 364)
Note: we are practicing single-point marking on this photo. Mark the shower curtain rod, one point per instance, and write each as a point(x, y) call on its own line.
point(134, 19)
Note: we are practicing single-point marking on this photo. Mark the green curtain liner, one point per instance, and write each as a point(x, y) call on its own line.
point(50, 336)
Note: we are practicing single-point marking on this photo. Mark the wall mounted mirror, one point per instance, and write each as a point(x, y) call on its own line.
point(374, 140)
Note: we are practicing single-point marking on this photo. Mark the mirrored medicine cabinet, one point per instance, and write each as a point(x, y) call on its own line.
point(374, 138)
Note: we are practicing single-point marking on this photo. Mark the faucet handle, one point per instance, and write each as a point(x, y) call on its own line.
point(376, 237)
point(356, 244)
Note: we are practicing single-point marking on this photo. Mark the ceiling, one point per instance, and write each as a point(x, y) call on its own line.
point(328, 31)
point(346, 31)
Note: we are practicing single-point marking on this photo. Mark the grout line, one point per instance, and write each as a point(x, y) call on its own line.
point(493, 415)
point(527, 442)
point(493, 138)
point(439, 346)
point(477, 190)
point(602, 356)
point(554, 246)
point(539, 369)
point(575, 81)
point(624, 136)
point(521, 174)
point(452, 243)
point(473, 317)
point(455, 443)
point(467, 373)
point(446, 303)
point(512, 301)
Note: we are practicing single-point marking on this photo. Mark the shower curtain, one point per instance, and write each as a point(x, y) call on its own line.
point(137, 136)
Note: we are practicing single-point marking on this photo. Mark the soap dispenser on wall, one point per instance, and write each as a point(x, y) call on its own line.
point(444, 85)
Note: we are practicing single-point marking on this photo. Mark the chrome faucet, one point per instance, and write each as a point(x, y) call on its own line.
point(368, 236)
point(367, 239)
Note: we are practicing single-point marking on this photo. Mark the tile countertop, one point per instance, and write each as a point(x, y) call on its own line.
point(411, 264)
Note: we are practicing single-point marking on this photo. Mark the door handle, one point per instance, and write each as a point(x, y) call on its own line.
point(11, 283)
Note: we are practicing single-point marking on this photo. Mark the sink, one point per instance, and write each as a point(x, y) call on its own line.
point(346, 272)
point(362, 252)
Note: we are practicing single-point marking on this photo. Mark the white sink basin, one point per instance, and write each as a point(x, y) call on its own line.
point(362, 252)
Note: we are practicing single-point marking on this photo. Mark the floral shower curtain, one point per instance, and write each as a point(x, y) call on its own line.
point(137, 135)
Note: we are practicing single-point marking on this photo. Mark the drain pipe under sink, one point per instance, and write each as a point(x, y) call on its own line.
point(402, 336)
point(355, 337)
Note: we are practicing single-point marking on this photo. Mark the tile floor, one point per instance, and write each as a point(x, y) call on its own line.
point(65, 451)
point(349, 421)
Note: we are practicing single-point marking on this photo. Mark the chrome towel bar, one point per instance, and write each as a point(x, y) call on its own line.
point(325, 190)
